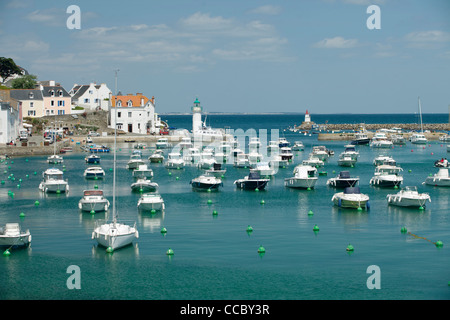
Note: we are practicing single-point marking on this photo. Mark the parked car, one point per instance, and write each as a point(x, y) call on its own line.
point(93, 134)
point(48, 139)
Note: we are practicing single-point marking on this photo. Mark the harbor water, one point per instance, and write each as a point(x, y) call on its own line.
point(215, 258)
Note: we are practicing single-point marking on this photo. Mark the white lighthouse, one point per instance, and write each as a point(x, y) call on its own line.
point(307, 117)
point(196, 116)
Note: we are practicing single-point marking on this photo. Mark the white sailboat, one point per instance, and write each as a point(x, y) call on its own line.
point(419, 138)
point(114, 235)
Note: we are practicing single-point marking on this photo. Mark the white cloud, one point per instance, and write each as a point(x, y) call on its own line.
point(267, 9)
point(49, 17)
point(428, 36)
point(336, 43)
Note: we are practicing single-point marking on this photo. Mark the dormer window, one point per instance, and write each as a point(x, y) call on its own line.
point(31, 95)
point(60, 93)
point(119, 103)
point(130, 103)
point(52, 93)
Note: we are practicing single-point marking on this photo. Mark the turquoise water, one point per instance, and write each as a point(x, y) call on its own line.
point(214, 257)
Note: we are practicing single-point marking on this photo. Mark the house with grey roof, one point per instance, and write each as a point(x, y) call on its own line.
point(31, 100)
point(90, 97)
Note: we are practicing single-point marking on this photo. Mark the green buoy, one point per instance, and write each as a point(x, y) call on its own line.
point(209, 201)
point(421, 208)
point(249, 229)
point(169, 252)
point(403, 230)
point(36, 203)
point(92, 211)
point(163, 230)
point(350, 248)
point(256, 189)
point(310, 213)
point(6, 253)
point(261, 249)
point(153, 211)
point(109, 250)
point(214, 213)
point(22, 215)
point(262, 202)
point(315, 228)
point(439, 244)
point(359, 209)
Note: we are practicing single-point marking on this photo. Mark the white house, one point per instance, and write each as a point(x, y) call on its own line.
point(135, 114)
point(91, 96)
point(10, 117)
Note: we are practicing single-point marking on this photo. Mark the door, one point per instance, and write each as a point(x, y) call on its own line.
point(130, 127)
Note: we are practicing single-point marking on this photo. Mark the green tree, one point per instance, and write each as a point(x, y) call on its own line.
point(8, 67)
point(26, 82)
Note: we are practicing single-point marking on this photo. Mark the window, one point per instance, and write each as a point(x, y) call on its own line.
point(31, 95)
point(119, 126)
point(52, 93)
point(60, 93)
point(60, 103)
point(91, 92)
point(139, 126)
point(86, 100)
point(119, 114)
point(119, 103)
point(129, 114)
point(96, 100)
point(130, 103)
point(31, 104)
point(52, 103)
point(32, 112)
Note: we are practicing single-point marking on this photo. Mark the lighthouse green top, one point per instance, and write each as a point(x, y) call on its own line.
point(196, 107)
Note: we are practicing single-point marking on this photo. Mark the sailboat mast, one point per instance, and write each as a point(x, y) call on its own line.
point(420, 114)
point(114, 161)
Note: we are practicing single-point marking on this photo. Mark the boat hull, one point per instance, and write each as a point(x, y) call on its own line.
point(251, 184)
point(96, 206)
point(406, 202)
point(23, 239)
point(438, 182)
point(301, 183)
point(352, 203)
point(148, 206)
point(386, 181)
point(54, 187)
point(343, 183)
point(144, 187)
point(115, 236)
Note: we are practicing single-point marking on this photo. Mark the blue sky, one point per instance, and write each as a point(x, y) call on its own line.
point(242, 56)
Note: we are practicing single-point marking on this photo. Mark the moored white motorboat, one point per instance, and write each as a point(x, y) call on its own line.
point(174, 161)
point(143, 171)
point(53, 181)
point(156, 157)
point(346, 160)
point(320, 152)
point(298, 146)
point(277, 162)
point(206, 160)
point(162, 143)
point(206, 182)
point(55, 159)
point(351, 197)
point(380, 140)
point(304, 177)
point(144, 185)
point(92, 159)
point(151, 201)
point(381, 159)
point(273, 146)
point(361, 138)
point(94, 173)
point(252, 182)
point(241, 161)
point(93, 201)
point(351, 151)
point(263, 169)
point(313, 161)
point(135, 161)
point(387, 176)
point(185, 143)
point(408, 197)
point(283, 142)
point(11, 235)
point(192, 155)
point(418, 138)
point(216, 171)
point(343, 180)
point(254, 143)
point(439, 179)
point(398, 139)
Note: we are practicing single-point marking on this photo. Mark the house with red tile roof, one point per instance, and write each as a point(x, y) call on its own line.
point(135, 113)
